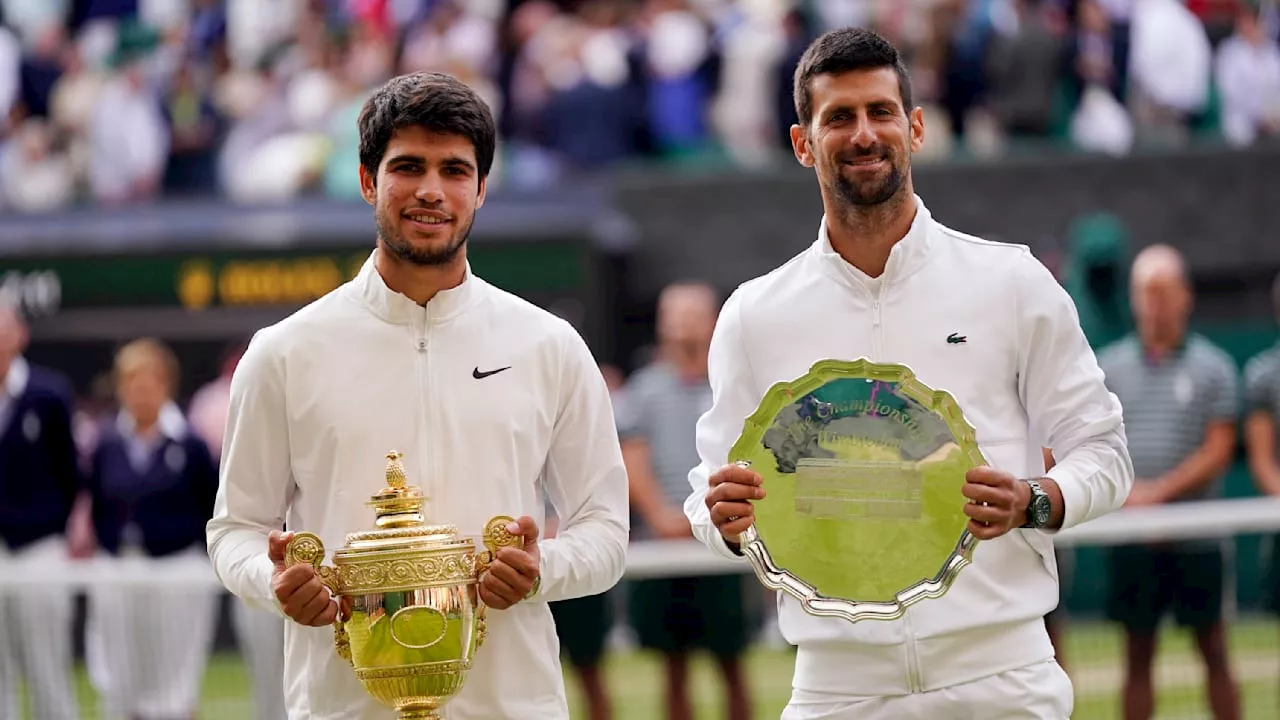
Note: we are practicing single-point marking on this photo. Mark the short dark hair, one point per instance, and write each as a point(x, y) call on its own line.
point(845, 50)
point(434, 101)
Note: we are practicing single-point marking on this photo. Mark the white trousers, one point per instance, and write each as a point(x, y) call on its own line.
point(147, 646)
point(261, 636)
point(35, 641)
point(1036, 692)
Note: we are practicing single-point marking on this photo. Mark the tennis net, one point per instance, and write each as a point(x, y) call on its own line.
point(1093, 647)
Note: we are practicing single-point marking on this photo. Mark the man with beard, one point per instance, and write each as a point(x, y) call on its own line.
point(493, 401)
point(984, 320)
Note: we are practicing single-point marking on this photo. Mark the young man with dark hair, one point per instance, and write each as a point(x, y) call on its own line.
point(886, 281)
point(493, 401)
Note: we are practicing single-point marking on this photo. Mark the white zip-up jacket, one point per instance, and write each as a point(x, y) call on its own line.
point(321, 397)
point(1025, 378)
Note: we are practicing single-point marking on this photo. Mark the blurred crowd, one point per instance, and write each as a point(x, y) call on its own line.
point(121, 101)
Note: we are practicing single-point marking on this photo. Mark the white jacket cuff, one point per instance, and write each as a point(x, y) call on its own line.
point(704, 530)
point(1094, 479)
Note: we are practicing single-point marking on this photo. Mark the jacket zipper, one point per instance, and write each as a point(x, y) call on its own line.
point(877, 327)
point(423, 459)
point(877, 338)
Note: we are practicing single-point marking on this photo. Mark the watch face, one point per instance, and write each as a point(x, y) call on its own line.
point(1042, 511)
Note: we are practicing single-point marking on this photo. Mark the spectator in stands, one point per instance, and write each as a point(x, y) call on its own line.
point(679, 62)
point(1181, 404)
point(152, 484)
point(10, 77)
point(966, 31)
point(260, 633)
point(31, 19)
point(194, 126)
point(1096, 81)
point(34, 175)
point(41, 67)
point(1024, 66)
point(1171, 70)
point(755, 42)
point(1262, 438)
point(675, 616)
point(128, 134)
point(594, 109)
point(38, 485)
point(1248, 75)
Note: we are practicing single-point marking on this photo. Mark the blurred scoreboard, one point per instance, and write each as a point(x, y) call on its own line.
point(85, 291)
point(52, 289)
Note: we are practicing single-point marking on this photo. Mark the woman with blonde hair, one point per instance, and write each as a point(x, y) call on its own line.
point(152, 483)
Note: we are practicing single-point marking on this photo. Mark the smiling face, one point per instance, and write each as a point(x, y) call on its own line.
point(860, 137)
point(425, 195)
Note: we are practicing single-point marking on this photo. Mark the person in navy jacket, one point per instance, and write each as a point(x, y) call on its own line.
point(152, 483)
point(38, 485)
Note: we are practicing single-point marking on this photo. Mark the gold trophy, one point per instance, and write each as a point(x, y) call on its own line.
point(411, 618)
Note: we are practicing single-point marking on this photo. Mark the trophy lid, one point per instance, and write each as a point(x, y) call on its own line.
point(400, 523)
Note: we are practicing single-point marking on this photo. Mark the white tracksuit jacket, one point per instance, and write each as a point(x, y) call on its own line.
point(321, 397)
point(1025, 378)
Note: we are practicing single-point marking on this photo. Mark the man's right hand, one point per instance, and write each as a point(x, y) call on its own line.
point(298, 589)
point(733, 487)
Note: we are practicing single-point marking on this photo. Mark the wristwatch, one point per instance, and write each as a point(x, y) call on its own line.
point(1040, 509)
point(537, 585)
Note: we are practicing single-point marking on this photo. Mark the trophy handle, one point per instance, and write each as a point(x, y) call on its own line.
point(496, 537)
point(307, 548)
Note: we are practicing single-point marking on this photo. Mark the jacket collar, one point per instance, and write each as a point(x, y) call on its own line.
point(907, 255)
point(398, 309)
point(15, 381)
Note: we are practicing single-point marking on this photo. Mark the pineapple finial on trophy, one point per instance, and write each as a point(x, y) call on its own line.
point(398, 504)
point(396, 477)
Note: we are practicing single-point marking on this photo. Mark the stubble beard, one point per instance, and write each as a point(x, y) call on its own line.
point(857, 199)
point(395, 243)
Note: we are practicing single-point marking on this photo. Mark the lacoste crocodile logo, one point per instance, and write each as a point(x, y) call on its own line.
point(956, 338)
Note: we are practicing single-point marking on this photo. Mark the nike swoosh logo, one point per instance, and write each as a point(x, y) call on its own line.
point(482, 375)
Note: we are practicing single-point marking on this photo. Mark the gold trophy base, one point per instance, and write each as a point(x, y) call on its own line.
point(419, 714)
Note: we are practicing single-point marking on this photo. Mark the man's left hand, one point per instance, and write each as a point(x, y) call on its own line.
point(513, 572)
point(997, 502)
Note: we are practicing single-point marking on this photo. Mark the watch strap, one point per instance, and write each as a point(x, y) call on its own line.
point(1037, 492)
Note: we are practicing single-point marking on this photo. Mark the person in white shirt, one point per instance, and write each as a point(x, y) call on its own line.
point(1247, 69)
point(984, 320)
point(492, 400)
